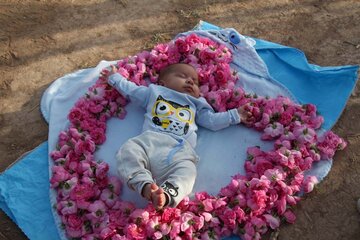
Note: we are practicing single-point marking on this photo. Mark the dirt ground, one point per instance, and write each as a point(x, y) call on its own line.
point(42, 40)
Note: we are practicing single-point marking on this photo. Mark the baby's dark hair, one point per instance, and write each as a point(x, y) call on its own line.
point(169, 68)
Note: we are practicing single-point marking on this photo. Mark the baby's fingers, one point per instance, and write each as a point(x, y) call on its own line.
point(113, 69)
point(104, 71)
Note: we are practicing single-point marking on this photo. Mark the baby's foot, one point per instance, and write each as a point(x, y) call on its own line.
point(158, 197)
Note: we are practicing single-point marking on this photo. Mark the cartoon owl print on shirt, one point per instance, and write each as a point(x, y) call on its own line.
point(169, 116)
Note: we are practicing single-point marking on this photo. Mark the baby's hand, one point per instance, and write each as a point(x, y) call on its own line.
point(106, 72)
point(245, 116)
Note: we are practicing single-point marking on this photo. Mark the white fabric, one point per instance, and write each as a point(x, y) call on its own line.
point(222, 154)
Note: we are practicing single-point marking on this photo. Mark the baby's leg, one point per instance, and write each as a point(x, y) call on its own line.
point(133, 165)
point(180, 181)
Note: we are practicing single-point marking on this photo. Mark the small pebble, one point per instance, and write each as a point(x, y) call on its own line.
point(358, 205)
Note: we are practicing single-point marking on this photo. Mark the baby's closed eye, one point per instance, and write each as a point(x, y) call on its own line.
point(182, 75)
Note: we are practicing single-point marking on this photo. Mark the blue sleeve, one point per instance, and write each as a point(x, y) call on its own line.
point(138, 94)
point(208, 118)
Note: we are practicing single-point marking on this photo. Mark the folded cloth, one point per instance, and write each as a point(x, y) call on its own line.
point(328, 88)
point(24, 195)
point(284, 70)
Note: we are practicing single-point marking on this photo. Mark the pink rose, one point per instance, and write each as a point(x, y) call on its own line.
point(221, 76)
point(169, 214)
point(68, 186)
point(207, 216)
point(98, 136)
point(107, 233)
point(285, 118)
point(82, 192)
point(74, 232)
point(87, 145)
point(59, 175)
point(75, 115)
point(193, 38)
point(304, 134)
point(96, 93)
point(143, 56)
point(275, 175)
point(153, 225)
point(123, 72)
point(97, 209)
point(125, 207)
point(67, 207)
point(121, 112)
point(272, 221)
point(240, 199)
point(208, 205)
point(214, 99)
point(198, 222)
point(240, 214)
point(118, 237)
point(257, 200)
point(165, 229)
point(57, 154)
point(63, 136)
point(175, 230)
point(99, 224)
point(272, 131)
point(264, 121)
point(140, 215)
point(220, 202)
point(259, 224)
point(289, 216)
point(95, 107)
point(82, 203)
point(74, 221)
point(101, 170)
point(65, 149)
point(229, 218)
point(261, 165)
point(309, 183)
point(133, 232)
point(182, 46)
point(281, 205)
point(207, 55)
point(237, 94)
point(185, 220)
point(114, 185)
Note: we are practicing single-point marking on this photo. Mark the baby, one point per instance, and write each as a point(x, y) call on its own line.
point(160, 163)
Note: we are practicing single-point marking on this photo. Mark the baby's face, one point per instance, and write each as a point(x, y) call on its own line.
point(182, 78)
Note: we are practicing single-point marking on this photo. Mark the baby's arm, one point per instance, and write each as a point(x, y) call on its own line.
point(215, 121)
point(208, 118)
point(129, 89)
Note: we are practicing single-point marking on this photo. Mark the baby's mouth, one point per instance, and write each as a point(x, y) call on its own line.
point(189, 89)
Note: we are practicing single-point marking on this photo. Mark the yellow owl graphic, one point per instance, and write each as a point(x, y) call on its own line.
point(169, 116)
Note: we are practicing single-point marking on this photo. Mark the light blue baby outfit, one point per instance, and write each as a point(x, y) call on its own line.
point(164, 152)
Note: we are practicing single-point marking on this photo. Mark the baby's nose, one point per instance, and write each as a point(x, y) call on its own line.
point(190, 81)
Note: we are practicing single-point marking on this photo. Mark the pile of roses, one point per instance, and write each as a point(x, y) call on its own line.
point(88, 200)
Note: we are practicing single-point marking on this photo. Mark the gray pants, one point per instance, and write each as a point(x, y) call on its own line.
point(157, 157)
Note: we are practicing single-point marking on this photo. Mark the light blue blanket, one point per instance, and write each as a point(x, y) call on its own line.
point(24, 194)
